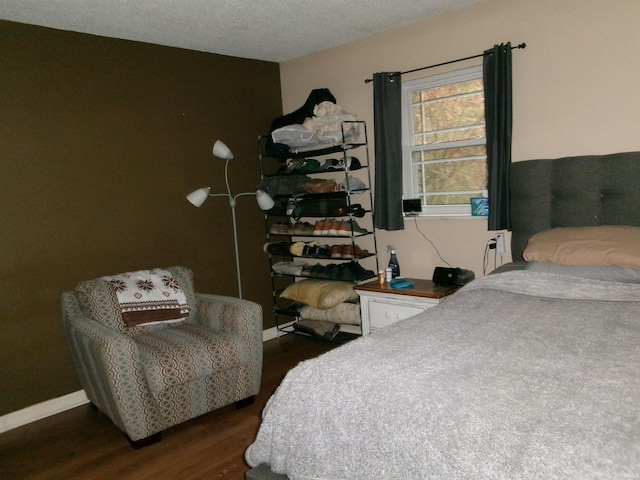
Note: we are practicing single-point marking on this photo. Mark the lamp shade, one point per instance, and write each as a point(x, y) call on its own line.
point(198, 197)
point(220, 150)
point(265, 202)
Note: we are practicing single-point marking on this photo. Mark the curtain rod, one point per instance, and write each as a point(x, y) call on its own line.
point(522, 45)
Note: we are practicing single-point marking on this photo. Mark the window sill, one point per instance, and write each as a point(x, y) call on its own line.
point(444, 217)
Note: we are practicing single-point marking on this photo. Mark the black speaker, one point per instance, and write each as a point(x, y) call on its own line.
point(412, 206)
point(452, 276)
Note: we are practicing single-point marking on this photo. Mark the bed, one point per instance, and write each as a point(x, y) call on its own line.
point(528, 373)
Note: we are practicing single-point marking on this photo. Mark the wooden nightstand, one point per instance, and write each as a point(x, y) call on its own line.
point(382, 305)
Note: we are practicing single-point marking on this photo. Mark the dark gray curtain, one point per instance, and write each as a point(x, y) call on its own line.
point(498, 118)
point(387, 113)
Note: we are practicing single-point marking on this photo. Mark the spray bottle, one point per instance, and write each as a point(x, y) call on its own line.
point(393, 261)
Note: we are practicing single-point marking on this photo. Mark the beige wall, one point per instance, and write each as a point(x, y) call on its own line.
point(575, 92)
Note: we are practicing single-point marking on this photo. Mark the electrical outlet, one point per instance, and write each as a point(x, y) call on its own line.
point(500, 246)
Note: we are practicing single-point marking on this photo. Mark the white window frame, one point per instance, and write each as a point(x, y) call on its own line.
point(408, 87)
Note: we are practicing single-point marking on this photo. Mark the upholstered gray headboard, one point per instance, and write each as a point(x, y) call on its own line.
point(572, 192)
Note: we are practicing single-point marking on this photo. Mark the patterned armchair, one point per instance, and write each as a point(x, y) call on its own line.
point(151, 376)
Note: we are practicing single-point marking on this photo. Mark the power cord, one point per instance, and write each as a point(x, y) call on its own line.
point(432, 244)
point(491, 245)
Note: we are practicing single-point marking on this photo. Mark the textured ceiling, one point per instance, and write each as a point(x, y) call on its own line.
point(272, 30)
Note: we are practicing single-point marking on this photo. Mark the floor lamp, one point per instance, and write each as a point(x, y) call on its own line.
point(198, 197)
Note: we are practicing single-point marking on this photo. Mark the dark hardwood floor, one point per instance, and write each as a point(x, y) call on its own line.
point(84, 444)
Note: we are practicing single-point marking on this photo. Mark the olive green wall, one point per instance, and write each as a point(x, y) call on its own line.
point(100, 141)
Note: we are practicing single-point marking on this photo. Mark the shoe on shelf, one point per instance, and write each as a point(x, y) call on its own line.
point(345, 229)
point(329, 164)
point(359, 272)
point(352, 163)
point(308, 250)
point(326, 226)
point(336, 271)
point(297, 248)
point(337, 251)
point(302, 228)
point(344, 272)
point(353, 226)
point(318, 226)
point(280, 228)
point(334, 227)
point(277, 248)
point(314, 249)
point(320, 271)
point(357, 210)
point(348, 251)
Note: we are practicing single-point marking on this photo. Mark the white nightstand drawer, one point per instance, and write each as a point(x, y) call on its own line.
point(382, 314)
point(382, 305)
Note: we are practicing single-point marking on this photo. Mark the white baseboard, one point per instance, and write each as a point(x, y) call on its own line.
point(42, 410)
point(72, 400)
point(270, 334)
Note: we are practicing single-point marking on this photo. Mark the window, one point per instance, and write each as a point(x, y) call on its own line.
point(444, 154)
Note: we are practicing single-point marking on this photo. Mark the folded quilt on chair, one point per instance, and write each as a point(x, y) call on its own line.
point(149, 297)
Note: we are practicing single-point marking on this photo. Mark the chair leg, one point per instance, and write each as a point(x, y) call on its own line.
point(245, 402)
point(145, 442)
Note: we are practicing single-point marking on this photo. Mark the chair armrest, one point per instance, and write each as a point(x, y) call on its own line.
point(109, 368)
point(88, 337)
point(230, 315)
point(241, 319)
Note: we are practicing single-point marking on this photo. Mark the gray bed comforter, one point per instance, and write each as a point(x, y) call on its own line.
point(518, 375)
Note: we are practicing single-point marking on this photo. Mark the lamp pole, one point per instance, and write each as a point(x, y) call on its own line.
point(198, 197)
point(232, 204)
